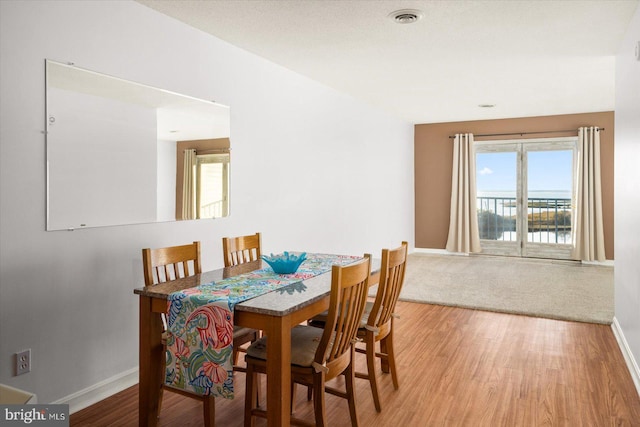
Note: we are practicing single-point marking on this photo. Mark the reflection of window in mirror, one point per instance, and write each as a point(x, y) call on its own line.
point(212, 185)
point(202, 179)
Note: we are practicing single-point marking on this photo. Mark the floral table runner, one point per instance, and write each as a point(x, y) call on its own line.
point(199, 355)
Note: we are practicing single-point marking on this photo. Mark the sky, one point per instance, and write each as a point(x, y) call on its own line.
point(548, 171)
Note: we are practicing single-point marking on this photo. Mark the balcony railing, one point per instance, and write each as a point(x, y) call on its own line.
point(212, 210)
point(548, 219)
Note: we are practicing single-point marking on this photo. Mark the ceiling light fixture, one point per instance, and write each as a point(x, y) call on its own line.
point(406, 16)
point(486, 105)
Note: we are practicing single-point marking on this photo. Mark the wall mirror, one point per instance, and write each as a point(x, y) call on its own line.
point(120, 152)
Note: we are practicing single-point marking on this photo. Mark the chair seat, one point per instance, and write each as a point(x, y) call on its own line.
point(319, 320)
point(304, 342)
point(241, 336)
point(239, 331)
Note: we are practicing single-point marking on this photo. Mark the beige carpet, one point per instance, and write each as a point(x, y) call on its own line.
point(543, 288)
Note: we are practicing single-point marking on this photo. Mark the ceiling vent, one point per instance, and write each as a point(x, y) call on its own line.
point(406, 16)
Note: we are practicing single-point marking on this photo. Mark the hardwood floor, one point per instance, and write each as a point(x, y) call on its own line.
point(457, 367)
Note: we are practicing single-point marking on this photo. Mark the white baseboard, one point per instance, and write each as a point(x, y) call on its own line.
point(607, 263)
point(97, 392)
point(626, 352)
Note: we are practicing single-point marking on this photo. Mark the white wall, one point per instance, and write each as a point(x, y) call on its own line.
point(312, 170)
point(627, 195)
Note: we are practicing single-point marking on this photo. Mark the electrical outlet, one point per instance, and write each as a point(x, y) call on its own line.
point(23, 362)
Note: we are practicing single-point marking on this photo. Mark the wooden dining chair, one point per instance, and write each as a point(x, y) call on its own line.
point(238, 250)
point(380, 319)
point(377, 321)
point(319, 355)
point(163, 265)
point(171, 263)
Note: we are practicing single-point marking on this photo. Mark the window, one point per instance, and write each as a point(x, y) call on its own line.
point(202, 179)
point(212, 185)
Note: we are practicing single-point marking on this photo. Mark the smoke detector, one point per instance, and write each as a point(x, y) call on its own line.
point(406, 16)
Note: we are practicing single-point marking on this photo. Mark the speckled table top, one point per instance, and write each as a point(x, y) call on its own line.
point(279, 302)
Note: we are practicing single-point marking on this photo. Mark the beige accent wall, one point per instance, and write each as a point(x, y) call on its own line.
point(202, 146)
point(434, 156)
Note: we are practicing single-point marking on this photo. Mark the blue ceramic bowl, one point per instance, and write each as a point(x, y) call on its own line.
point(285, 263)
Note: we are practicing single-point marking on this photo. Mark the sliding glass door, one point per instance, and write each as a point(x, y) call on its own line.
point(525, 196)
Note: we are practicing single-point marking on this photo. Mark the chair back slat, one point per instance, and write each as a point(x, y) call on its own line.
point(238, 250)
point(185, 269)
point(392, 271)
point(171, 263)
point(349, 286)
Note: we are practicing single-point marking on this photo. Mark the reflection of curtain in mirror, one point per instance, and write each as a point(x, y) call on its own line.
point(188, 185)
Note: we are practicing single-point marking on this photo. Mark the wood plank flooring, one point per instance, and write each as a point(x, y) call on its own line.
point(457, 367)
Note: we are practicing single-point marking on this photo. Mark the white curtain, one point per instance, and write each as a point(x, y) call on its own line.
point(588, 235)
point(463, 220)
point(188, 185)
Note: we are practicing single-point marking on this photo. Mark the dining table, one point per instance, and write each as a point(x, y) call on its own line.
point(274, 313)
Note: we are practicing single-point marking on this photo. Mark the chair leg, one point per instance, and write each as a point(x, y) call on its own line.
point(293, 397)
point(256, 379)
point(161, 377)
point(294, 387)
point(371, 368)
point(319, 407)
point(384, 360)
point(160, 400)
point(391, 358)
point(256, 382)
point(250, 400)
point(209, 406)
point(350, 388)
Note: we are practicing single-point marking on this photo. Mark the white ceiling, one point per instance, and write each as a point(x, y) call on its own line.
point(529, 58)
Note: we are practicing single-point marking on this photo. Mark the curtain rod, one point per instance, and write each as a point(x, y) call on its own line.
point(523, 133)
point(210, 150)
